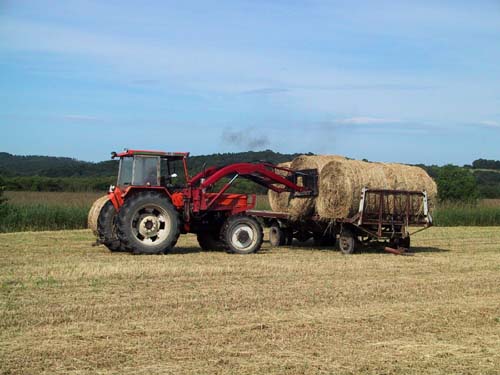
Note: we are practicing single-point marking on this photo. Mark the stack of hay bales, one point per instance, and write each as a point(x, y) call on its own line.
point(341, 181)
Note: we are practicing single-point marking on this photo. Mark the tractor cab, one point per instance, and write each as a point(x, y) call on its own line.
point(151, 168)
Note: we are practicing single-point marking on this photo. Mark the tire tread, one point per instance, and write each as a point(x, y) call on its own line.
point(125, 212)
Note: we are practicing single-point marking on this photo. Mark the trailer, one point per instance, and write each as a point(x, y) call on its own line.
point(384, 216)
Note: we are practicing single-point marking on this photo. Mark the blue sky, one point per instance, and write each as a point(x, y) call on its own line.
point(415, 81)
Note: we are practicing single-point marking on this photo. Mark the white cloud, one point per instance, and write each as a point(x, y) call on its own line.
point(362, 120)
point(79, 118)
point(491, 123)
point(202, 66)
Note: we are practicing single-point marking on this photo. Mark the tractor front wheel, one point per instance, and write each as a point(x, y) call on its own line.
point(148, 224)
point(242, 234)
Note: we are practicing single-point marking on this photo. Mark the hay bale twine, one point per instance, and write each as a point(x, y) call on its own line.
point(305, 206)
point(279, 201)
point(341, 183)
point(94, 212)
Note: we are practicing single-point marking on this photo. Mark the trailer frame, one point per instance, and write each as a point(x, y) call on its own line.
point(384, 215)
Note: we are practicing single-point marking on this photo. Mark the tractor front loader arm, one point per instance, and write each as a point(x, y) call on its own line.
point(260, 173)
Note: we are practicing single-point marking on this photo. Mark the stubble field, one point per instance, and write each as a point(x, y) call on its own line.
point(68, 307)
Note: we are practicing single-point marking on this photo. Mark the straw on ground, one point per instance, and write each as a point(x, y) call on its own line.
point(67, 307)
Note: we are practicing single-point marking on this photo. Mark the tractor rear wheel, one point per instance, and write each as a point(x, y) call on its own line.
point(242, 234)
point(106, 228)
point(148, 224)
point(209, 240)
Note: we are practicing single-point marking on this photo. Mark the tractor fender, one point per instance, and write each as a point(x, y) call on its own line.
point(118, 196)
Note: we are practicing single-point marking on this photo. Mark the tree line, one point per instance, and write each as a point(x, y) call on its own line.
point(481, 179)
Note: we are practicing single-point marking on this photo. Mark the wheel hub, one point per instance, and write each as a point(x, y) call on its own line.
point(149, 226)
point(243, 236)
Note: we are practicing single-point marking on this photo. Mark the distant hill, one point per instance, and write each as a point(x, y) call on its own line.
point(50, 166)
point(48, 173)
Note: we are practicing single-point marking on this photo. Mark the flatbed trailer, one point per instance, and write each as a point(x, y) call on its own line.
point(383, 216)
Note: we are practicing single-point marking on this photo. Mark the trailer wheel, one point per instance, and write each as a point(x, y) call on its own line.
point(242, 234)
point(347, 242)
point(288, 237)
point(401, 242)
point(148, 224)
point(302, 236)
point(405, 242)
point(210, 240)
point(325, 240)
point(106, 228)
point(277, 236)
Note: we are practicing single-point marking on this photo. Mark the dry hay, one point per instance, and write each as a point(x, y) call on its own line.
point(279, 201)
point(341, 183)
point(407, 177)
point(69, 308)
point(304, 206)
point(94, 212)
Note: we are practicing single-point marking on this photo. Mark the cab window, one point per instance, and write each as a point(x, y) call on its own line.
point(125, 171)
point(146, 170)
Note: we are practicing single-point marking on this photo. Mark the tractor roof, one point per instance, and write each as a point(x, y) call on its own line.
point(166, 155)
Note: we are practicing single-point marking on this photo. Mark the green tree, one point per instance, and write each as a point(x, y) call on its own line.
point(456, 184)
point(2, 188)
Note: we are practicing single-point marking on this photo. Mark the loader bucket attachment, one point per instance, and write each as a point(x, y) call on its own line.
point(307, 178)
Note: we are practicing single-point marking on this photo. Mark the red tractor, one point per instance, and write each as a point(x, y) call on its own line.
point(155, 200)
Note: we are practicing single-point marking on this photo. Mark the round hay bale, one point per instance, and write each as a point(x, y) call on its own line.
point(341, 183)
point(407, 177)
point(94, 212)
point(305, 206)
point(279, 201)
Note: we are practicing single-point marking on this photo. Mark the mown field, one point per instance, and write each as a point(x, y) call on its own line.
point(68, 307)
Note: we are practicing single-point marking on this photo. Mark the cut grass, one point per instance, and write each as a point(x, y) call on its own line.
point(67, 307)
